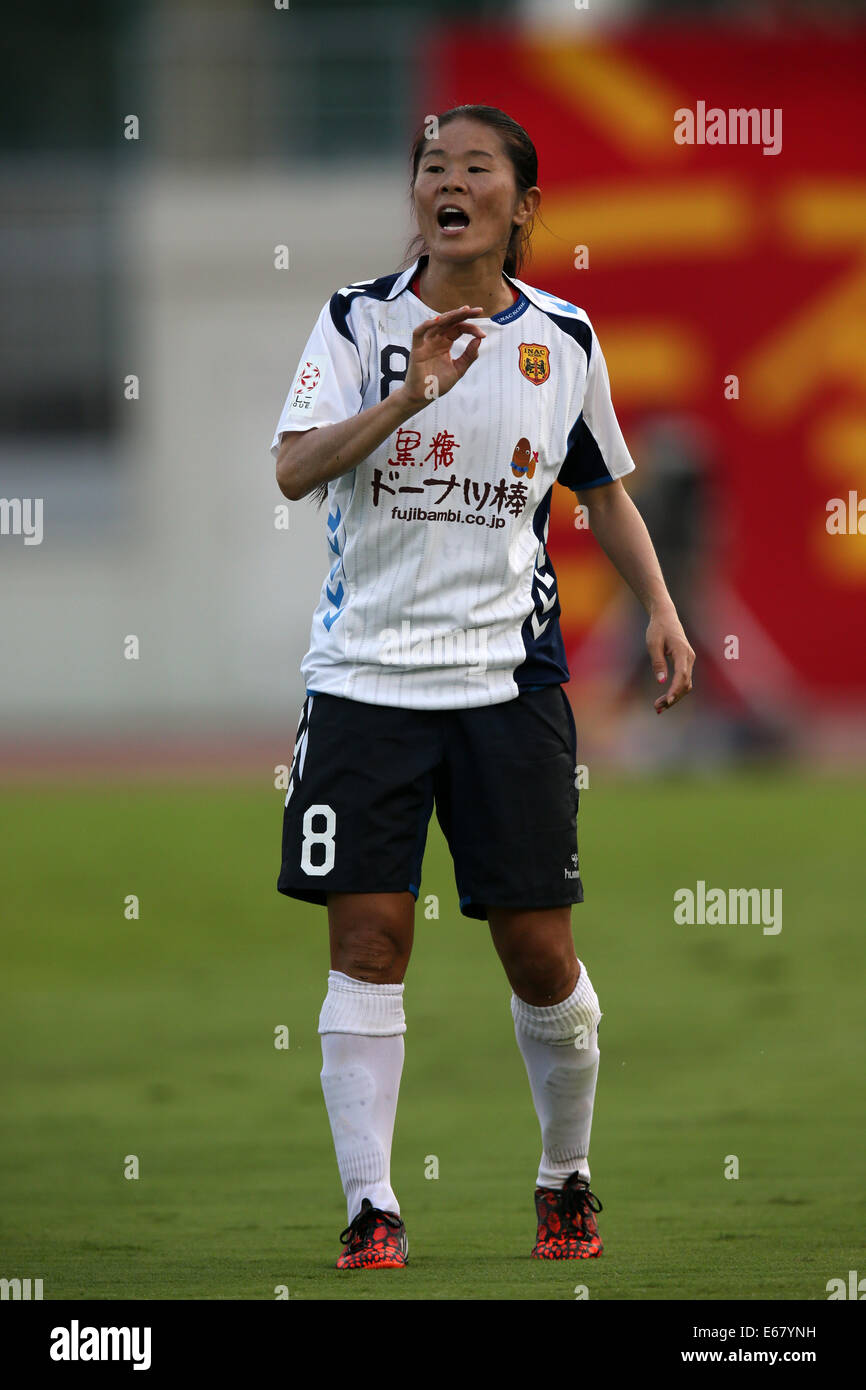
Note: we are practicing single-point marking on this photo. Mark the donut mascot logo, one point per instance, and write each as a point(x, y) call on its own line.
point(524, 459)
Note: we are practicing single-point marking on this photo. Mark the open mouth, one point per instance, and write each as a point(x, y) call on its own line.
point(452, 219)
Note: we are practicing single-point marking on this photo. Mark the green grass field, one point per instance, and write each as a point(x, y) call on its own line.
point(156, 1038)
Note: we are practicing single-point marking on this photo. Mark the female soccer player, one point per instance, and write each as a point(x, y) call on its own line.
point(436, 663)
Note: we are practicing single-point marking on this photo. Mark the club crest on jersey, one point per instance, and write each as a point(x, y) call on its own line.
point(524, 459)
point(535, 362)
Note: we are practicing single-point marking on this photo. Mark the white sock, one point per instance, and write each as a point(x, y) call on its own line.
point(562, 1076)
point(362, 1027)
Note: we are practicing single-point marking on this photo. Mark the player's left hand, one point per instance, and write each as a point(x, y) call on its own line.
point(665, 638)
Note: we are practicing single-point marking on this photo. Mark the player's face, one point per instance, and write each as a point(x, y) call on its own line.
point(466, 200)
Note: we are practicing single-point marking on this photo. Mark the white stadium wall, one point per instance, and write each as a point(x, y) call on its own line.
point(177, 543)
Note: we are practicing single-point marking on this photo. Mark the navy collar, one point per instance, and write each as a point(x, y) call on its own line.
point(507, 315)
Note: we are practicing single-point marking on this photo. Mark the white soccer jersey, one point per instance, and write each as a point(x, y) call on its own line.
point(440, 592)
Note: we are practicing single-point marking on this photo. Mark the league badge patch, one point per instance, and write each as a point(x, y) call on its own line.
point(309, 378)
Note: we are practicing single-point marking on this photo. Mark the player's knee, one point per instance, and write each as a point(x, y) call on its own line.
point(373, 966)
point(541, 979)
point(376, 954)
point(371, 936)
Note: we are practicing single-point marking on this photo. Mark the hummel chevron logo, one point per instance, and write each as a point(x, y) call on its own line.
point(547, 597)
point(300, 749)
point(334, 595)
point(333, 523)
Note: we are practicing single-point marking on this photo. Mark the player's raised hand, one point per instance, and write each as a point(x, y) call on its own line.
point(665, 638)
point(432, 371)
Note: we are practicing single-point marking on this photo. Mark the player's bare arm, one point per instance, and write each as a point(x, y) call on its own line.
point(309, 458)
point(620, 531)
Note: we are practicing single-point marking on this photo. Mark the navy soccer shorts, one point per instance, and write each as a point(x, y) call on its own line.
point(365, 778)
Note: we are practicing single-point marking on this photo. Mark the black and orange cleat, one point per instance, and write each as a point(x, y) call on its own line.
point(374, 1240)
point(567, 1228)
